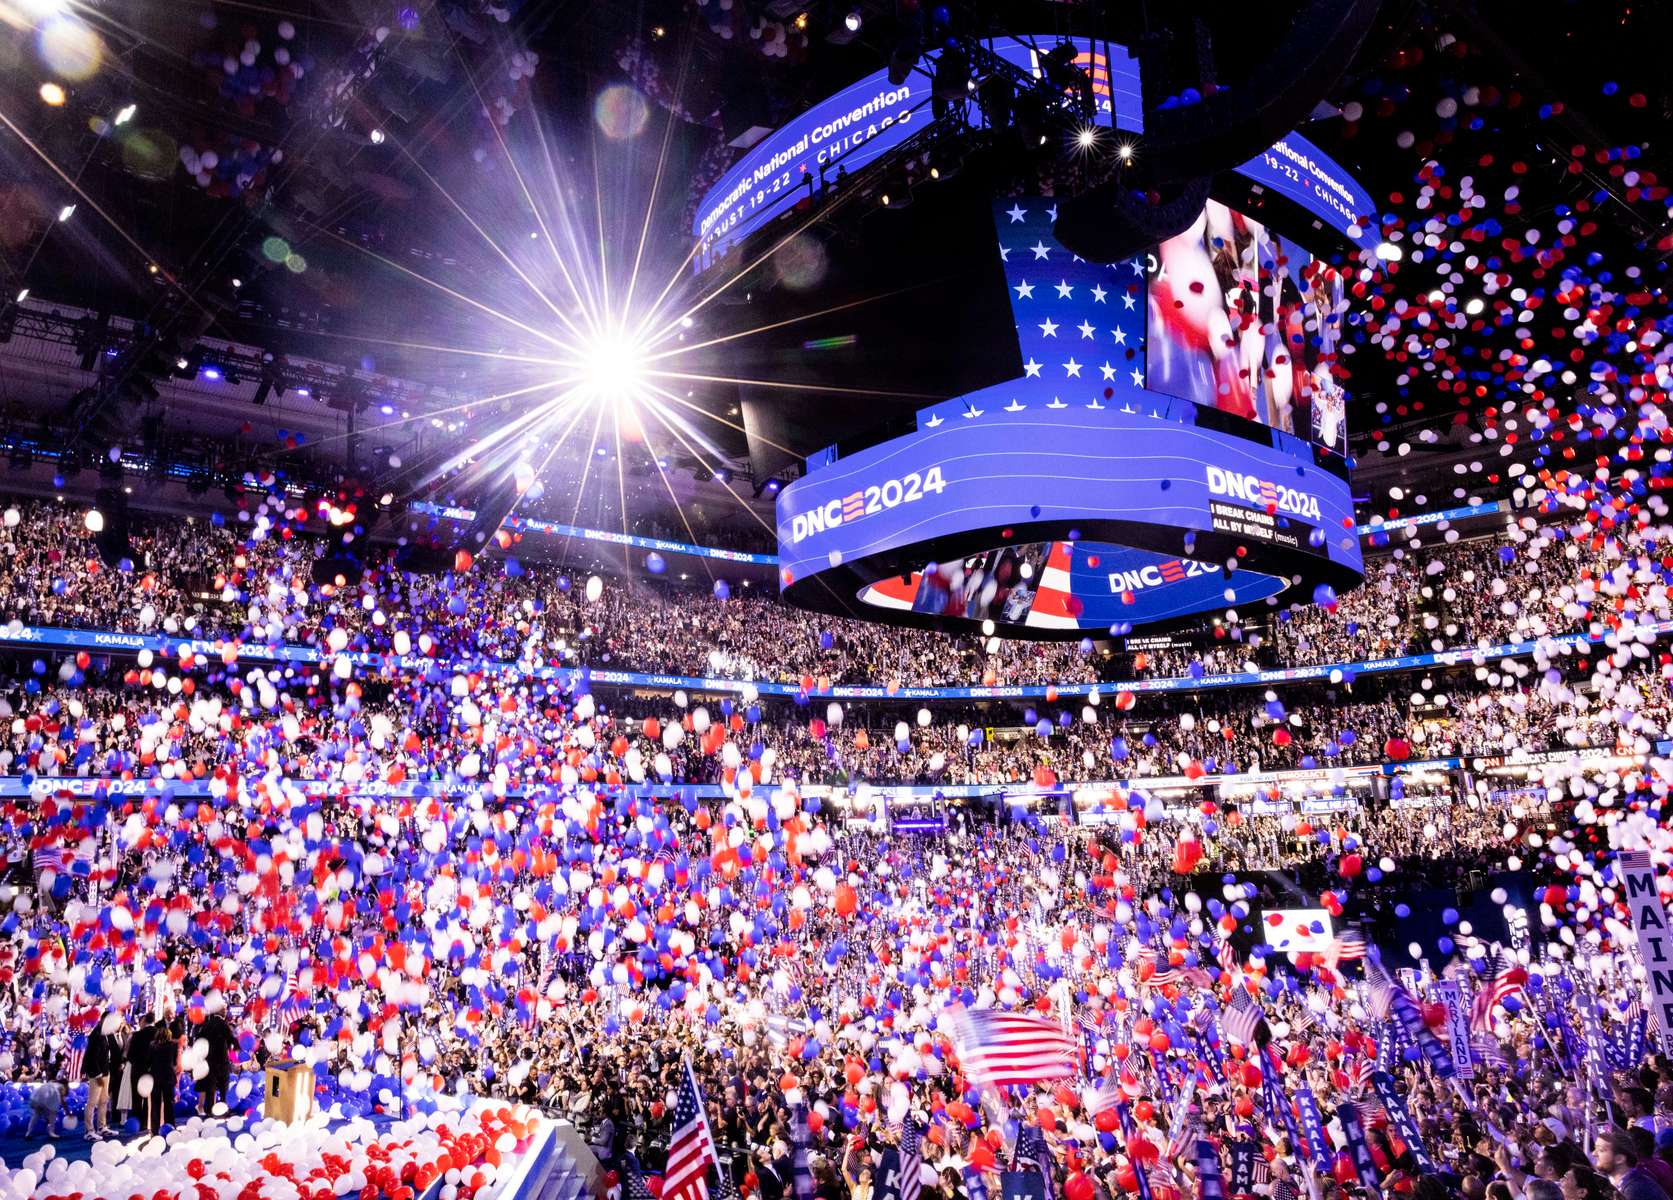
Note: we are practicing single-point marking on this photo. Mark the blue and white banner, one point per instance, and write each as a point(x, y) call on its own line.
point(1401, 1118)
point(1312, 1128)
point(1210, 1185)
point(1358, 1149)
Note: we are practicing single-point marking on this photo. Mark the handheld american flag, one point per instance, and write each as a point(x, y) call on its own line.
point(691, 1150)
point(911, 1160)
point(1243, 1018)
point(1007, 1049)
point(1504, 976)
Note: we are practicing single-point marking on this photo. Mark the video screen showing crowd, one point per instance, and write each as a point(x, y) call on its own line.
point(1247, 322)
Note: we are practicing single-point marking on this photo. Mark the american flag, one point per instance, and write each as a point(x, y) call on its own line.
point(1080, 325)
point(1358, 1071)
point(291, 1002)
point(911, 1160)
point(801, 1175)
point(1106, 1097)
point(73, 1060)
point(51, 858)
point(1349, 946)
point(1379, 989)
point(1032, 1151)
point(1243, 1018)
point(691, 1151)
point(1226, 955)
point(1303, 1021)
point(1504, 976)
point(1013, 1049)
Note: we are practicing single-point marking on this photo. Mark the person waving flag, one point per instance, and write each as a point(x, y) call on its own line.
point(691, 1150)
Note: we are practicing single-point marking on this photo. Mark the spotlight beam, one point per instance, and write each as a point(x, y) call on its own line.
point(442, 288)
point(522, 185)
point(539, 292)
point(827, 389)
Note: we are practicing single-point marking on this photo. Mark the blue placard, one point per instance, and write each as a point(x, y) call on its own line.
point(1022, 1185)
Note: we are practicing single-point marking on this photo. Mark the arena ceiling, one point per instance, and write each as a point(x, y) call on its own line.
point(360, 196)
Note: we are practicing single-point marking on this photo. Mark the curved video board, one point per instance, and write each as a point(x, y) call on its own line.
point(1146, 481)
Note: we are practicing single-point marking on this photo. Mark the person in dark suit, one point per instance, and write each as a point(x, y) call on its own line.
point(218, 1034)
point(163, 1058)
point(96, 1070)
point(139, 1063)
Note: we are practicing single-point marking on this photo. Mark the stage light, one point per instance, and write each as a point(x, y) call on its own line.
point(23, 294)
point(126, 115)
point(65, 213)
point(52, 94)
point(1125, 154)
point(853, 21)
point(377, 137)
point(612, 368)
point(1086, 137)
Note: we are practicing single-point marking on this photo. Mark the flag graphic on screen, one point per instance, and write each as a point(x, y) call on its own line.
point(1080, 325)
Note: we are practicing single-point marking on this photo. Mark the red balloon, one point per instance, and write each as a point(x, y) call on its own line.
point(1106, 1121)
point(1078, 1187)
point(1046, 1120)
point(1343, 1169)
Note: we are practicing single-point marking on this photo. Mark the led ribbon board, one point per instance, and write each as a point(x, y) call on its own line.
point(1149, 502)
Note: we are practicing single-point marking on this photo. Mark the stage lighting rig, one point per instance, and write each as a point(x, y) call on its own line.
point(1196, 126)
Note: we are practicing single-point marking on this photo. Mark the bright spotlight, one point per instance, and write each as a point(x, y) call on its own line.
point(1125, 154)
point(612, 368)
point(126, 114)
point(852, 21)
point(1086, 137)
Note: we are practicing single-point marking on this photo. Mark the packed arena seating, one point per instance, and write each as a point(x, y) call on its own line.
point(243, 581)
point(423, 773)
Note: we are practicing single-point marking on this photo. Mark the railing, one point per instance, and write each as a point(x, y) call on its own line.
point(109, 642)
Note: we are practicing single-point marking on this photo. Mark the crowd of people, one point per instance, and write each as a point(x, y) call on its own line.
point(442, 880)
point(244, 579)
